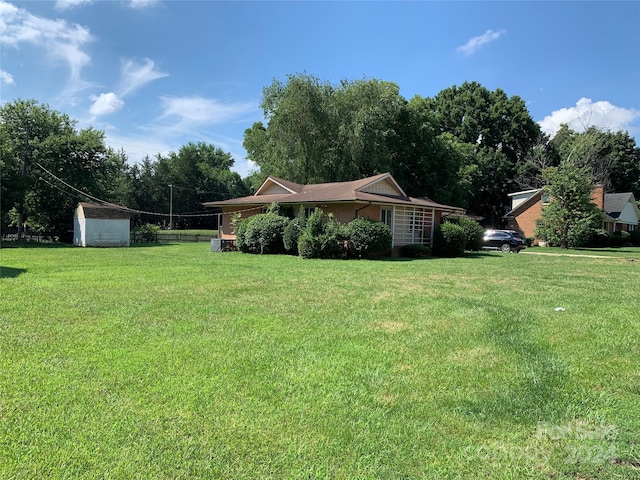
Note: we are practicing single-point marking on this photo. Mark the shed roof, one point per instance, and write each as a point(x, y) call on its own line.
point(104, 212)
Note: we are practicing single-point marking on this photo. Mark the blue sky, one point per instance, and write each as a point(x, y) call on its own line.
point(155, 75)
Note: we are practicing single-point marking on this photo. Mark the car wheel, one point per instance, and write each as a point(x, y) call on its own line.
point(505, 248)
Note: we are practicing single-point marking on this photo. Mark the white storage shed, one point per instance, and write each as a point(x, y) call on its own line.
point(100, 226)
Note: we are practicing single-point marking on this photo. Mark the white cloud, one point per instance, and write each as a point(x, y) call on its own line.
point(140, 4)
point(586, 113)
point(476, 42)
point(60, 39)
point(105, 103)
point(194, 111)
point(135, 75)
point(66, 4)
point(6, 77)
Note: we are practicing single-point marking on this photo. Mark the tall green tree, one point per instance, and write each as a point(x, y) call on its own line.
point(570, 217)
point(317, 132)
point(613, 157)
point(297, 141)
point(502, 133)
point(197, 173)
point(48, 166)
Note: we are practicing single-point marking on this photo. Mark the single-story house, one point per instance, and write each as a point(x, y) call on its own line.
point(380, 198)
point(619, 210)
point(100, 226)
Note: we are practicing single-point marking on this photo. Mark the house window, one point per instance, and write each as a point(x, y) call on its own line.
point(631, 228)
point(545, 199)
point(386, 217)
point(308, 211)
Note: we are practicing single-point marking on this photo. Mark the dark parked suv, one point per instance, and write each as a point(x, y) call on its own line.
point(503, 240)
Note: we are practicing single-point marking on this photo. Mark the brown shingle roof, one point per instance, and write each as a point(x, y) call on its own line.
point(92, 210)
point(335, 192)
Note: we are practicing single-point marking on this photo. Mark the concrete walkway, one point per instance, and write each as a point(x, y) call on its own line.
point(566, 254)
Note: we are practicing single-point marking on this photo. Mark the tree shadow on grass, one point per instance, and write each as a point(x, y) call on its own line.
point(50, 245)
point(22, 244)
point(10, 272)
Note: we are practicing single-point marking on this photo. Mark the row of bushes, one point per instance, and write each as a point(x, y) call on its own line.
point(319, 236)
point(456, 235)
point(602, 238)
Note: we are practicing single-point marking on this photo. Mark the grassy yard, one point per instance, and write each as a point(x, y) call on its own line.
point(170, 361)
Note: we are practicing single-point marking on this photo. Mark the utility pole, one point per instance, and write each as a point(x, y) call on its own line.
point(170, 207)
point(24, 174)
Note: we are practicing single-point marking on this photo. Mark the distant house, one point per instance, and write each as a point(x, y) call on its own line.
point(380, 198)
point(100, 226)
point(619, 210)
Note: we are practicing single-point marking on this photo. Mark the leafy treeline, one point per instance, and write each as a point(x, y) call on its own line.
point(47, 166)
point(467, 146)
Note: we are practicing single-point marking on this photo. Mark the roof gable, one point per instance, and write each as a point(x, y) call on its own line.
point(383, 184)
point(522, 206)
point(277, 186)
point(614, 203)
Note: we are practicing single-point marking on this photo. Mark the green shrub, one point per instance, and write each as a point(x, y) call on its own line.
point(449, 240)
point(309, 246)
point(619, 238)
point(635, 238)
point(323, 237)
point(415, 250)
point(315, 222)
point(241, 232)
point(146, 233)
point(366, 237)
point(261, 234)
point(473, 232)
point(293, 231)
point(291, 235)
point(598, 238)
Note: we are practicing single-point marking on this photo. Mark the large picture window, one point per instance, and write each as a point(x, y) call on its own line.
point(412, 225)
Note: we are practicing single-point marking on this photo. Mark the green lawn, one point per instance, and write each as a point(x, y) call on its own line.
point(170, 361)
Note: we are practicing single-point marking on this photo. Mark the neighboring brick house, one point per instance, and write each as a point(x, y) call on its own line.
point(379, 198)
point(619, 210)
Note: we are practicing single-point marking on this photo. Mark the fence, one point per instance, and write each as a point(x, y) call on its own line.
point(183, 237)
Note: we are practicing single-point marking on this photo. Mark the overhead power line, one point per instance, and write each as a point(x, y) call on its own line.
point(82, 194)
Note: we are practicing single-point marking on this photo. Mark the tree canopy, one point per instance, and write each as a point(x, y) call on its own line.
point(461, 147)
point(44, 158)
point(47, 166)
point(466, 146)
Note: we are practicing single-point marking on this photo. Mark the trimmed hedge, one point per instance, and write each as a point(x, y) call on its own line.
point(449, 240)
point(619, 238)
point(473, 232)
point(323, 237)
point(367, 237)
point(262, 234)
